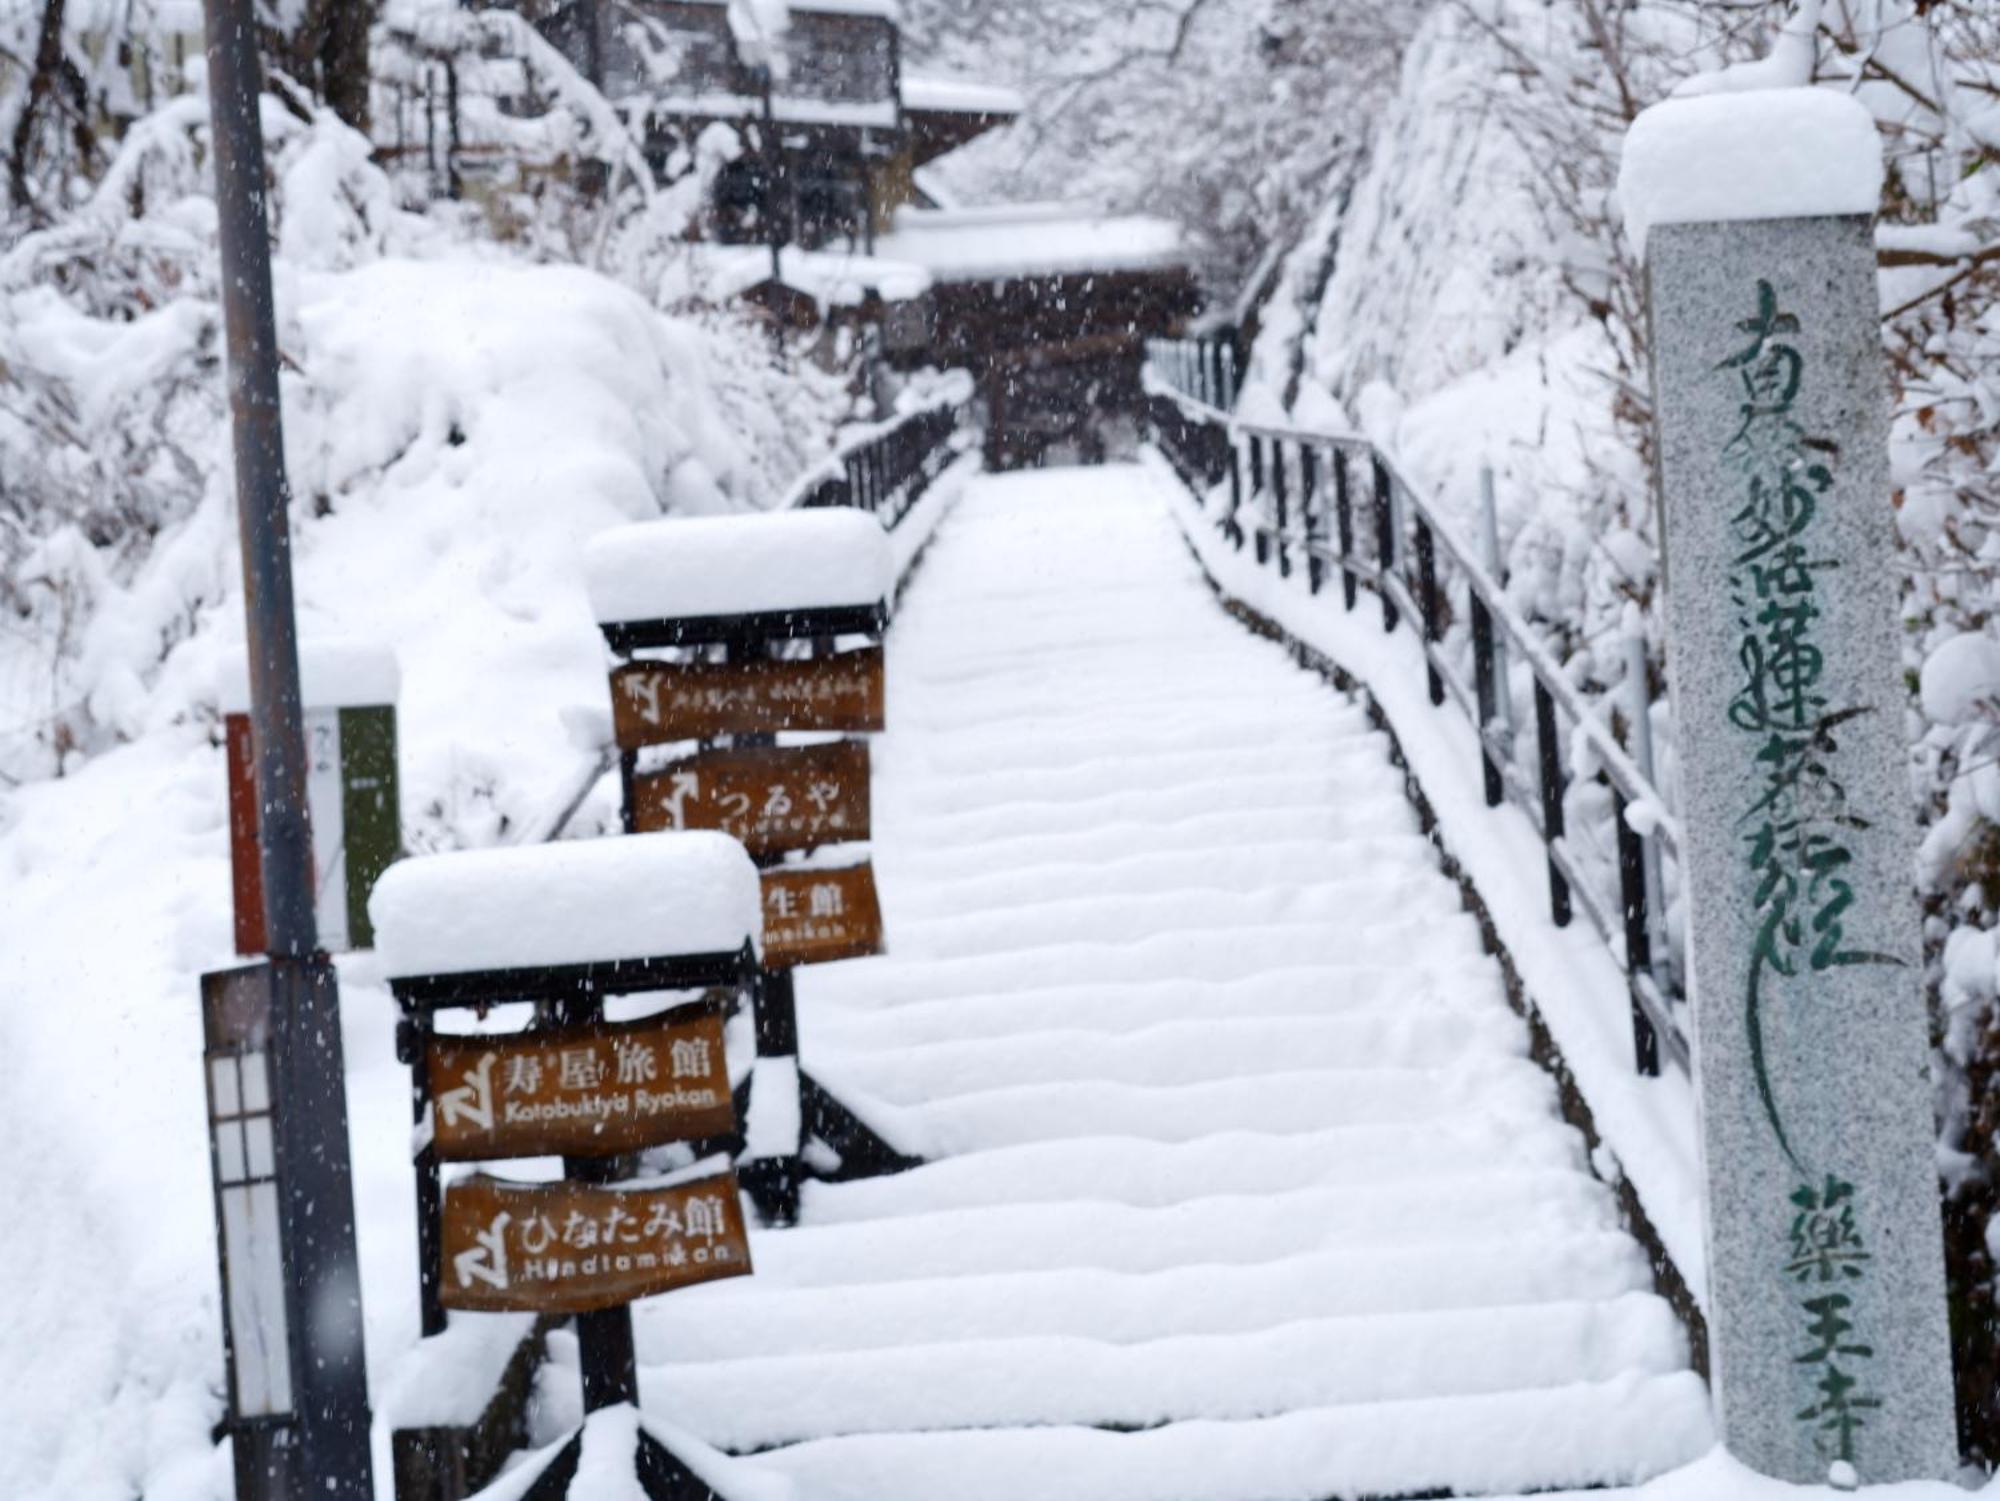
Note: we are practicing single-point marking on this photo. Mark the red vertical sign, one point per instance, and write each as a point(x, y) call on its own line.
point(246, 861)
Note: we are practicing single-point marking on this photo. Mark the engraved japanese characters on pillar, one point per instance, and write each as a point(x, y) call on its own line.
point(1826, 1305)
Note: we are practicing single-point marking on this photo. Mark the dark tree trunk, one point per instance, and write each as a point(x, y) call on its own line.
point(328, 53)
point(53, 71)
point(343, 58)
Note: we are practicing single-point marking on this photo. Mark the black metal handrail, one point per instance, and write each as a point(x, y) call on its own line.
point(1334, 503)
point(886, 471)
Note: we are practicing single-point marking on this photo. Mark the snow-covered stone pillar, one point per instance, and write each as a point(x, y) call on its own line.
point(1826, 1305)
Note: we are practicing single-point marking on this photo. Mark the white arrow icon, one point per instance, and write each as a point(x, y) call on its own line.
point(685, 784)
point(644, 691)
point(474, 1102)
point(487, 1261)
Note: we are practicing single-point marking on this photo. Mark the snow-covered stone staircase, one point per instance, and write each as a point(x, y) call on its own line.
point(1241, 1185)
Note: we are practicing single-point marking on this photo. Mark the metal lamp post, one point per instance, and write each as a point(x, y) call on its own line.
point(278, 1116)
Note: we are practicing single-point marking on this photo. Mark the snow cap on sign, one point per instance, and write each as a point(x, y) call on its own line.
point(1765, 154)
point(584, 901)
point(738, 565)
point(334, 673)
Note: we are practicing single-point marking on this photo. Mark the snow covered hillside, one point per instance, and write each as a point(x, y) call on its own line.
point(459, 418)
point(1471, 299)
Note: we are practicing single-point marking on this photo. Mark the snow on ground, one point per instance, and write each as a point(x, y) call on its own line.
point(466, 424)
point(1242, 1185)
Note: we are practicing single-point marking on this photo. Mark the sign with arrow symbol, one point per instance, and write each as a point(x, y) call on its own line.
point(773, 798)
point(587, 1092)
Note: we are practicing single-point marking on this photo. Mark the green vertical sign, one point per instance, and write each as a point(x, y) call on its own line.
point(370, 810)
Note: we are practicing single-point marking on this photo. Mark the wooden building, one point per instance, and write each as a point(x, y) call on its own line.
point(834, 129)
point(1048, 308)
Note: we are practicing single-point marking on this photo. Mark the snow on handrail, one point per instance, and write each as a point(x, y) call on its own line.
point(1205, 442)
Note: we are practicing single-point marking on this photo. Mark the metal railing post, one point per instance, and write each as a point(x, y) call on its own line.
point(1427, 585)
point(1257, 497)
point(1310, 510)
point(1638, 935)
point(1550, 755)
point(1484, 676)
point(1385, 540)
point(1490, 538)
point(1280, 512)
point(1343, 520)
point(1231, 527)
point(1639, 707)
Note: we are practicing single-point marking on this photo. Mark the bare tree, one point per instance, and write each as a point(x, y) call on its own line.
point(57, 105)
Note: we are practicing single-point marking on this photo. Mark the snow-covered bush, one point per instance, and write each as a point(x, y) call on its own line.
point(1484, 308)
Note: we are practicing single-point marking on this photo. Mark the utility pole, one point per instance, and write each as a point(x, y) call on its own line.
point(309, 1435)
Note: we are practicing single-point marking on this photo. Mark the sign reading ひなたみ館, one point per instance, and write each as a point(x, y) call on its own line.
point(579, 1247)
point(586, 1092)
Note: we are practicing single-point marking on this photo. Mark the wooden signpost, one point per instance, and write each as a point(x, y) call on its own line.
point(572, 1248)
point(817, 916)
point(655, 703)
point(801, 655)
point(773, 798)
point(592, 1092)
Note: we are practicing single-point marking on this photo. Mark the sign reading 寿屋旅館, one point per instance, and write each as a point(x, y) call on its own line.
point(584, 1092)
point(567, 1248)
point(771, 798)
point(656, 702)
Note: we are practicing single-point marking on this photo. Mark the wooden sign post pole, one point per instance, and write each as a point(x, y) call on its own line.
point(604, 1337)
point(734, 684)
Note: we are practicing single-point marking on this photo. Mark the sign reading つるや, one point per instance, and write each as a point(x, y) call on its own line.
point(577, 1247)
point(772, 798)
point(594, 1092)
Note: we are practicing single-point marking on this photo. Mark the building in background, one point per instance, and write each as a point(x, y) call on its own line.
point(822, 221)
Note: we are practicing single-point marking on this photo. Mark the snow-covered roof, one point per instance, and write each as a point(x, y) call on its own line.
point(737, 565)
point(1018, 240)
point(334, 673)
point(877, 114)
point(831, 278)
point(1763, 154)
point(888, 10)
point(580, 901)
point(956, 96)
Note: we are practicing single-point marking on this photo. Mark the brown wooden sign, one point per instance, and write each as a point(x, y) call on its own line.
point(818, 916)
point(772, 798)
point(593, 1092)
point(654, 702)
point(580, 1247)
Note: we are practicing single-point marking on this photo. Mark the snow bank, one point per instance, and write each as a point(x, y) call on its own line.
point(1961, 679)
point(334, 673)
point(1767, 154)
point(584, 901)
point(738, 565)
